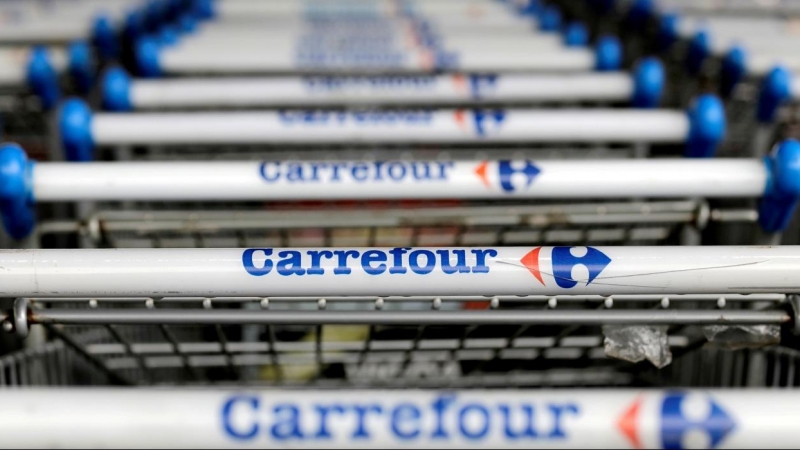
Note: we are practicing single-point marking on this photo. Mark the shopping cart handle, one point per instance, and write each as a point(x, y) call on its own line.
point(42, 78)
point(104, 37)
point(699, 49)
point(775, 90)
point(733, 70)
point(81, 66)
point(777, 207)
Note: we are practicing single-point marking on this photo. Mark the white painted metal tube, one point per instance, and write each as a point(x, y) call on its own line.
point(219, 418)
point(265, 272)
point(188, 60)
point(291, 180)
point(558, 125)
point(422, 89)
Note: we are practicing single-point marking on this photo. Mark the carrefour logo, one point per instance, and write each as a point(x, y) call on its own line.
point(508, 172)
point(562, 262)
point(686, 421)
point(475, 86)
point(484, 123)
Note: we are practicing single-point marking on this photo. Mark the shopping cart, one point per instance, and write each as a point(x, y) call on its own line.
point(394, 316)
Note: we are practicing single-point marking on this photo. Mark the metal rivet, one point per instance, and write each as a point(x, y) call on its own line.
point(437, 303)
point(264, 303)
point(552, 303)
point(379, 302)
point(495, 303)
point(322, 303)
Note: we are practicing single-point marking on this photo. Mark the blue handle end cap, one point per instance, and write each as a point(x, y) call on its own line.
point(777, 207)
point(639, 13)
point(204, 9)
point(707, 127)
point(75, 126)
point(147, 57)
point(42, 77)
point(16, 200)
point(667, 34)
point(608, 54)
point(81, 65)
point(116, 86)
point(775, 89)
point(576, 35)
point(550, 19)
point(187, 24)
point(531, 8)
point(733, 70)
point(104, 37)
point(699, 49)
point(649, 79)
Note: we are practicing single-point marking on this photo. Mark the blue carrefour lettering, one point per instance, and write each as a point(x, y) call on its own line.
point(287, 423)
point(370, 117)
point(248, 258)
point(388, 82)
point(290, 263)
point(296, 172)
point(244, 417)
point(371, 257)
point(361, 431)
point(405, 421)
point(558, 413)
point(248, 402)
point(480, 415)
point(396, 261)
point(528, 432)
point(430, 261)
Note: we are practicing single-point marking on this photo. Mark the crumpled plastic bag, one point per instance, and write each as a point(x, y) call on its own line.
point(636, 343)
point(734, 337)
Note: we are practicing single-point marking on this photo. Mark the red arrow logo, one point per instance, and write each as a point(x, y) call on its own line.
point(628, 424)
point(531, 261)
point(480, 171)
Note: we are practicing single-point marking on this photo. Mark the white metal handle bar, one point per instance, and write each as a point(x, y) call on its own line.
point(775, 180)
point(265, 272)
point(607, 418)
point(643, 88)
point(154, 59)
point(701, 129)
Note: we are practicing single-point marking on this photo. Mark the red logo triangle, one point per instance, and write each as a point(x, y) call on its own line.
point(480, 171)
point(628, 424)
point(531, 261)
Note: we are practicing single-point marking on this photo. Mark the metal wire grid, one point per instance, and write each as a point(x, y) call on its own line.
point(440, 223)
point(367, 341)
